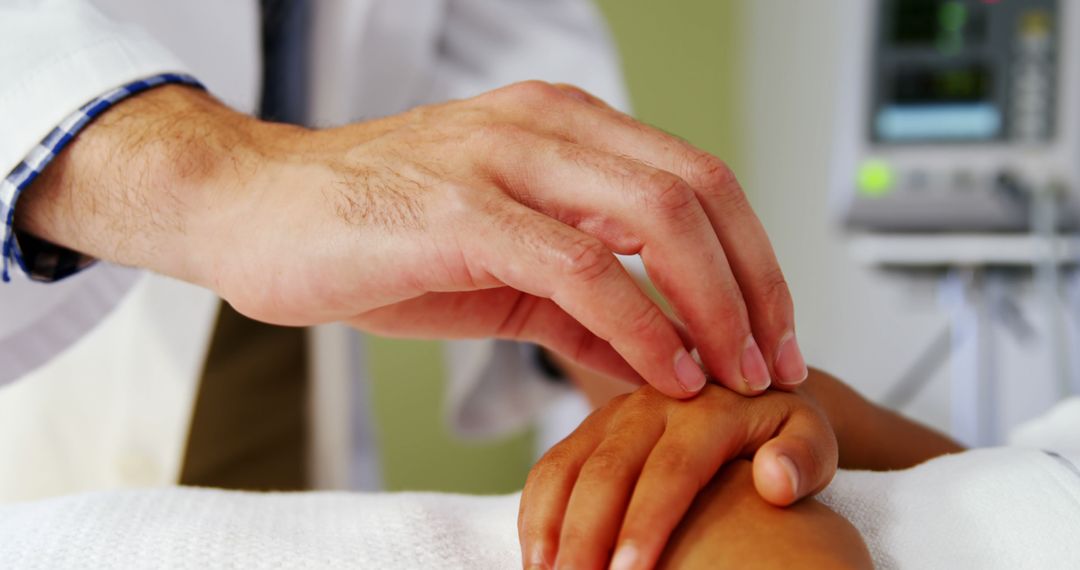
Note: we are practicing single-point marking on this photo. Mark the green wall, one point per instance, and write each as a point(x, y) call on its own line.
point(417, 451)
point(680, 58)
point(681, 62)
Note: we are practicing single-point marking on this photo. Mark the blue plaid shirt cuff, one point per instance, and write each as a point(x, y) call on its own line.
point(39, 259)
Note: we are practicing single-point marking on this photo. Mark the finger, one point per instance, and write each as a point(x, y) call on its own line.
point(683, 461)
point(542, 321)
point(750, 253)
point(600, 496)
point(753, 261)
point(541, 256)
point(480, 314)
point(547, 491)
point(799, 461)
point(634, 208)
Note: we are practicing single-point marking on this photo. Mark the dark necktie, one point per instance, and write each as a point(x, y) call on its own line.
point(249, 426)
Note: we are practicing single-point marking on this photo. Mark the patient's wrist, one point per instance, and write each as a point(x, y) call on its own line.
point(870, 436)
point(841, 405)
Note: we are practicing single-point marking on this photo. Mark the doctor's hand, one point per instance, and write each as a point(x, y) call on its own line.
point(493, 216)
point(623, 481)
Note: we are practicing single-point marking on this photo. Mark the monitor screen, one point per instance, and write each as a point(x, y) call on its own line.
point(946, 71)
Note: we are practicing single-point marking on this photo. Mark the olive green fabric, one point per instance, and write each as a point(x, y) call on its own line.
point(249, 426)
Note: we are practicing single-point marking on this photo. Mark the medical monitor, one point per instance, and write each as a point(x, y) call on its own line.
point(953, 111)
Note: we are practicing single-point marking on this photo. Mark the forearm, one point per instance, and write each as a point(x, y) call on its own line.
point(139, 185)
point(872, 437)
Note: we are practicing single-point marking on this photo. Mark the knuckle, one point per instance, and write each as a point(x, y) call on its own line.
point(711, 172)
point(717, 182)
point(586, 259)
point(615, 406)
point(669, 195)
point(596, 423)
point(709, 401)
point(535, 92)
point(647, 396)
point(645, 322)
point(577, 92)
point(642, 405)
point(582, 340)
point(458, 199)
point(730, 309)
point(605, 464)
point(555, 462)
point(774, 290)
point(542, 475)
point(641, 417)
point(673, 460)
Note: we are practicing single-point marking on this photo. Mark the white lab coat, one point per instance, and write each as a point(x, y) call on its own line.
point(108, 361)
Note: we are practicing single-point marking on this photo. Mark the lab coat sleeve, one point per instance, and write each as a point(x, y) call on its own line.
point(496, 387)
point(56, 56)
point(488, 44)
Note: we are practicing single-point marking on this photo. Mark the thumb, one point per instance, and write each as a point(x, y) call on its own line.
point(800, 461)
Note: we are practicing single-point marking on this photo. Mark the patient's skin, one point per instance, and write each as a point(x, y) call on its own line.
point(870, 437)
point(730, 526)
point(623, 481)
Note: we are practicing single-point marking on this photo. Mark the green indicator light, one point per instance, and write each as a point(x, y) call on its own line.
point(952, 16)
point(875, 178)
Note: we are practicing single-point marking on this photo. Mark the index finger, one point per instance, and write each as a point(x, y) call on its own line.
point(683, 461)
point(541, 256)
point(634, 208)
point(753, 262)
point(548, 487)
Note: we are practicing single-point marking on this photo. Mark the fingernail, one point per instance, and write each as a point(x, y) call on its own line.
point(790, 365)
point(754, 369)
point(792, 472)
point(687, 372)
point(626, 557)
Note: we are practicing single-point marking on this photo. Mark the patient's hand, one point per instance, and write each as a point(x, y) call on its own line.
point(730, 526)
point(628, 474)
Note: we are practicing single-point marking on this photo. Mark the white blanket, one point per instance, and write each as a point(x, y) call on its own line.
point(1005, 508)
point(207, 529)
